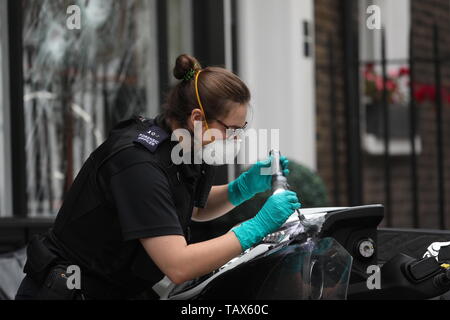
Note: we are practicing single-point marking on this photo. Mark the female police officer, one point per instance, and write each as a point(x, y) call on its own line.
point(124, 222)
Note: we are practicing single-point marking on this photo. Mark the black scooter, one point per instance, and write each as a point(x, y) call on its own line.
point(318, 254)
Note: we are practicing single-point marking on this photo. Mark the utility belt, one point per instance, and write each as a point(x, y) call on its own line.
point(49, 272)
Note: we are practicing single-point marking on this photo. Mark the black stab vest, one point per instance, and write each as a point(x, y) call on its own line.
point(187, 191)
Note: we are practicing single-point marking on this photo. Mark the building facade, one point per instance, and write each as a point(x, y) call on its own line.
point(414, 189)
point(315, 69)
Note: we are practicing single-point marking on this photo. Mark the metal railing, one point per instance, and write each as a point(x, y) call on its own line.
point(435, 63)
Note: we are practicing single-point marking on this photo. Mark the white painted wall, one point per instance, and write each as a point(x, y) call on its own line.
point(280, 78)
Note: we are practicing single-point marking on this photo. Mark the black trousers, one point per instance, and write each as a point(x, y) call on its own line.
point(53, 288)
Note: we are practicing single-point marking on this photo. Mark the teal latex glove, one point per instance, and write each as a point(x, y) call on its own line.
point(277, 209)
point(252, 181)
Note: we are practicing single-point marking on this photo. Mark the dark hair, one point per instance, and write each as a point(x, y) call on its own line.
point(218, 89)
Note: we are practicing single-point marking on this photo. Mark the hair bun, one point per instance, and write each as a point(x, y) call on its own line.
point(183, 64)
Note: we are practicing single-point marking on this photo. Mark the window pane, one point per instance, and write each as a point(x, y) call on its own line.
point(179, 29)
point(5, 165)
point(394, 17)
point(80, 82)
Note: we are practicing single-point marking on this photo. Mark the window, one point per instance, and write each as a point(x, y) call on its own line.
point(5, 151)
point(395, 18)
point(79, 82)
point(179, 29)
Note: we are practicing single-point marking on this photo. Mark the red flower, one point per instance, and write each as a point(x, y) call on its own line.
point(393, 73)
point(369, 76)
point(404, 71)
point(427, 92)
point(391, 85)
point(419, 94)
point(379, 83)
point(430, 92)
point(369, 67)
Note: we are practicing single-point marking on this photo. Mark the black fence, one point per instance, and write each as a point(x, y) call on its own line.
point(351, 68)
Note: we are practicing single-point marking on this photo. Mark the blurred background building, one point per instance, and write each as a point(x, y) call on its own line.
point(367, 110)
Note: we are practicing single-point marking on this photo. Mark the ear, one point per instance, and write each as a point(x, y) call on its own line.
point(196, 115)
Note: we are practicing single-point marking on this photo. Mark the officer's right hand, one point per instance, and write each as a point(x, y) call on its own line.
point(277, 209)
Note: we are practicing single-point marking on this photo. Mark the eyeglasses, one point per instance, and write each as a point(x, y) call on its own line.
point(232, 131)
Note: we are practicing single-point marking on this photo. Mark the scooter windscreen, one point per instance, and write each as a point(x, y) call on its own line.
point(312, 270)
point(288, 264)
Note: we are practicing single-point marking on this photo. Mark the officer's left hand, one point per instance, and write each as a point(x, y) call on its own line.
point(252, 181)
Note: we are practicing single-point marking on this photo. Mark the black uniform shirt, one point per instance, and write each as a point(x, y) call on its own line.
point(144, 202)
point(143, 198)
point(105, 240)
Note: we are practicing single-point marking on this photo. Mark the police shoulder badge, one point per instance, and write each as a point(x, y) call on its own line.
point(151, 137)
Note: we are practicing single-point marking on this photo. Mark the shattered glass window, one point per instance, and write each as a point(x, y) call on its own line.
point(87, 65)
point(5, 196)
point(1, 123)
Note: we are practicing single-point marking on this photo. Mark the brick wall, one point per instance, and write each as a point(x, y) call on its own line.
point(329, 24)
point(328, 17)
point(423, 15)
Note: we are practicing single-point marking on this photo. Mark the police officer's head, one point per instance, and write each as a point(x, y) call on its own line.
point(214, 96)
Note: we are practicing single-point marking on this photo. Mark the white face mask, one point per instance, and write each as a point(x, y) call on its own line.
point(220, 152)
